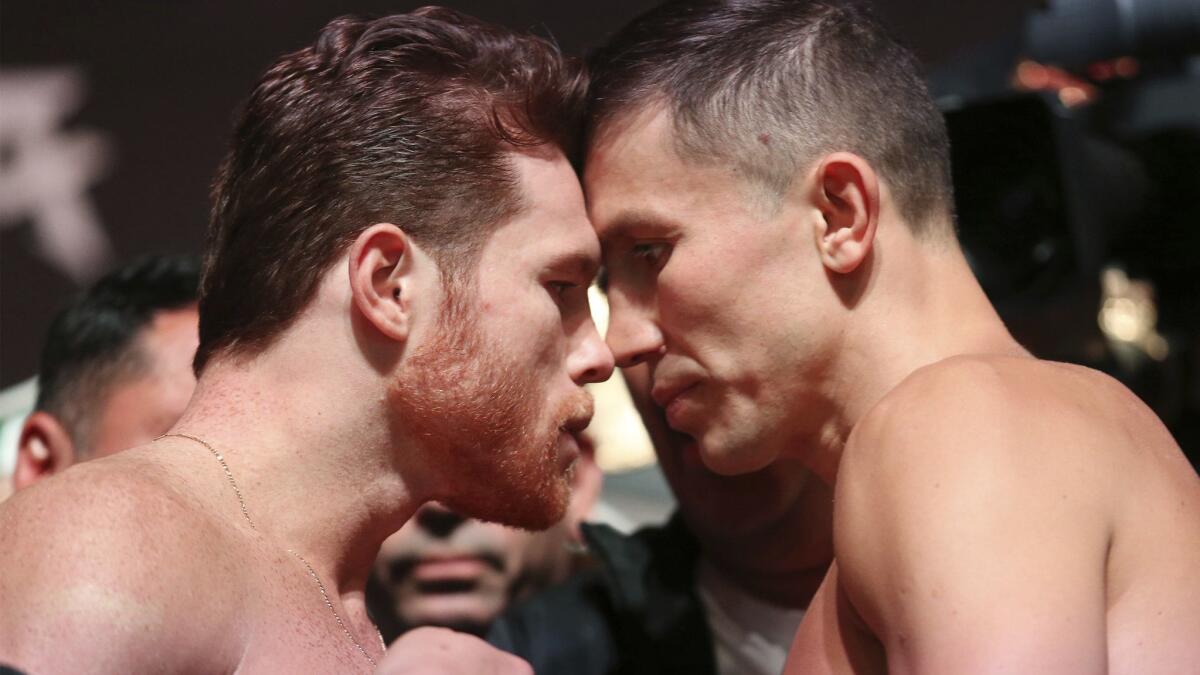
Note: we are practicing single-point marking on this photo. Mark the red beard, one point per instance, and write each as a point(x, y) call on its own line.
point(474, 414)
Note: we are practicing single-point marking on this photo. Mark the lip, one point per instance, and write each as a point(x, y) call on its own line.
point(665, 394)
point(449, 568)
point(576, 425)
point(569, 449)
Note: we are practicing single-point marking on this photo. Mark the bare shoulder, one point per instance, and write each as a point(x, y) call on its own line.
point(1028, 410)
point(1011, 431)
point(102, 569)
point(984, 487)
point(999, 510)
point(1026, 433)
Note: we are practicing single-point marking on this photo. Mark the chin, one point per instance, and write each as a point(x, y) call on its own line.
point(735, 459)
point(464, 613)
point(540, 511)
point(536, 505)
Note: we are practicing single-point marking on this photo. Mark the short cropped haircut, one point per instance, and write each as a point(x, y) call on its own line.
point(772, 85)
point(409, 119)
point(93, 343)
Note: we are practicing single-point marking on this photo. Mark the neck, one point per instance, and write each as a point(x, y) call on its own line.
point(921, 304)
point(792, 588)
point(317, 473)
point(783, 564)
point(789, 590)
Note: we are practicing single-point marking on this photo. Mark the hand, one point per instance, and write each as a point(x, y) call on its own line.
point(426, 651)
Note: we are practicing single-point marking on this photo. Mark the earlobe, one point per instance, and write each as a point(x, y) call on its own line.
point(846, 191)
point(44, 449)
point(380, 266)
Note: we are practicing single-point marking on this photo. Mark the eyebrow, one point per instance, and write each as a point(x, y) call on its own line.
point(576, 263)
point(631, 220)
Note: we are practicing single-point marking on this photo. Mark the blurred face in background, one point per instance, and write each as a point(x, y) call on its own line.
point(138, 411)
point(441, 569)
point(132, 412)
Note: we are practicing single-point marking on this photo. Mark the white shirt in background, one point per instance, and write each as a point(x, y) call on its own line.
point(751, 637)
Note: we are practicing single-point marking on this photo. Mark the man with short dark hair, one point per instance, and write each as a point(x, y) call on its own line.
point(393, 311)
point(116, 367)
point(770, 184)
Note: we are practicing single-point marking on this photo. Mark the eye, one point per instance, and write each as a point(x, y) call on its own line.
point(654, 254)
point(560, 289)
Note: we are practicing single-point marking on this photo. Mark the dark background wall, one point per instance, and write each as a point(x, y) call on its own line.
point(160, 82)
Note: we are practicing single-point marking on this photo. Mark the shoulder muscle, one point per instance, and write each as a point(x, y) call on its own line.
point(98, 575)
point(966, 537)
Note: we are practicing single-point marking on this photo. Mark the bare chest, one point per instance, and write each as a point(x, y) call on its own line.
point(294, 629)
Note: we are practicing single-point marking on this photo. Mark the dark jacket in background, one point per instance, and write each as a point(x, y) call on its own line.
point(635, 613)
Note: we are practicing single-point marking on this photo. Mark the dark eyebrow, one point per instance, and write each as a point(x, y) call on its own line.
point(632, 220)
point(577, 264)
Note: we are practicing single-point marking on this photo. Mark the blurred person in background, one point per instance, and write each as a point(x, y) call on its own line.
point(116, 367)
point(442, 569)
point(719, 589)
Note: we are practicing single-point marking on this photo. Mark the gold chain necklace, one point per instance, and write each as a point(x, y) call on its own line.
point(311, 572)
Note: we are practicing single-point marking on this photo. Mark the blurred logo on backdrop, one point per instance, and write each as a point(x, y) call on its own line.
point(47, 169)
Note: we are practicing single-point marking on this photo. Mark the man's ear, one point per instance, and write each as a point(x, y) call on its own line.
point(44, 449)
point(381, 278)
point(845, 190)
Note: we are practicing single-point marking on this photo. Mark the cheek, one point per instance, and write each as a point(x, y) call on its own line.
point(527, 324)
point(695, 279)
point(700, 309)
point(514, 543)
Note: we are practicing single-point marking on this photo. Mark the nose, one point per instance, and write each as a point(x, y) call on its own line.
point(591, 360)
point(438, 520)
point(633, 337)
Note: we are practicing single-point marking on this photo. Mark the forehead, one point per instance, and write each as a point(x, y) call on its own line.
point(552, 228)
point(635, 176)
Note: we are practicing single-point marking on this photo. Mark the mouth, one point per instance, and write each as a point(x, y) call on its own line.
point(446, 572)
point(569, 449)
point(571, 439)
point(665, 394)
point(576, 425)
